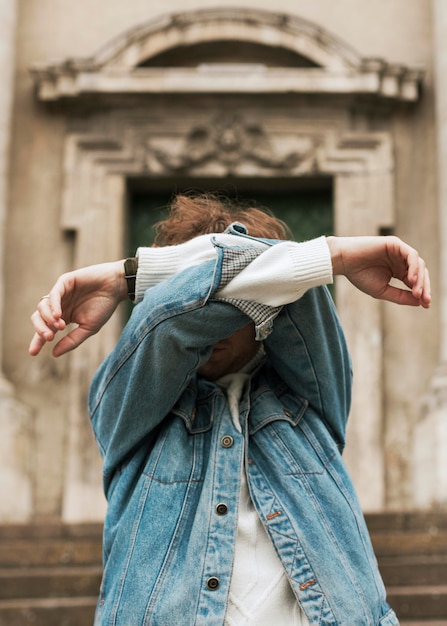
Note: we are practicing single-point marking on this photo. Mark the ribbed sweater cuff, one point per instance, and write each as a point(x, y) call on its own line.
point(158, 264)
point(312, 262)
point(154, 266)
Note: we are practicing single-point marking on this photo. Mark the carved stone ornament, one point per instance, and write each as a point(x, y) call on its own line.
point(228, 140)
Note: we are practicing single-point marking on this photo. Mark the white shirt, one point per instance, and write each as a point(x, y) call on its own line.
point(260, 593)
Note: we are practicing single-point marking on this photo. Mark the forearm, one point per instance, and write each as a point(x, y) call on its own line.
point(281, 274)
point(85, 298)
point(169, 335)
point(158, 264)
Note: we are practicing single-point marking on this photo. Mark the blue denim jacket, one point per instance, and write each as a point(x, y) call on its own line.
point(172, 454)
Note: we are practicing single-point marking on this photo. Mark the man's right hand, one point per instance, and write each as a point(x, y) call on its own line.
point(86, 297)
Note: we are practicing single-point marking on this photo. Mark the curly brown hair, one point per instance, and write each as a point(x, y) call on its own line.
point(191, 215)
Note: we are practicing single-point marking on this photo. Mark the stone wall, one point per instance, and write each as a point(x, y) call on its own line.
point(54, 464)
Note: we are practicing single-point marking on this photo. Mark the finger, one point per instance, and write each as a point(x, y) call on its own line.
point(49, 309)
point(41, 327)
point(418, 277)
point(55, 296)
point(419, 283)
point(400, 296)
point(42, 334)
point(71, 341)
point(413, 261)
point(36, 345)
point(426, 291)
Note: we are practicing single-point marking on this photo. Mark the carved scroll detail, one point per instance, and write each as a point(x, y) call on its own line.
point(229, 140)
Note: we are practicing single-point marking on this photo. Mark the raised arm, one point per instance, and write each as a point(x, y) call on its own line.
point(307, 346)
point(88, 297)
point(169, 335)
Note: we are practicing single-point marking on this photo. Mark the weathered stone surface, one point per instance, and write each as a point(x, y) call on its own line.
point(358, 111)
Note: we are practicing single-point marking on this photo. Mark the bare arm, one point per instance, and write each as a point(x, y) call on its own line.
point(86, 297)
point(370, 263)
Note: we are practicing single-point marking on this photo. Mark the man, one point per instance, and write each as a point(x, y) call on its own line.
point(221, 417)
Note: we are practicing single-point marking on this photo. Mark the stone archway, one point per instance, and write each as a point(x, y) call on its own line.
point(304, 128)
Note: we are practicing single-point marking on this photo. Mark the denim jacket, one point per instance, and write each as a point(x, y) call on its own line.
point(172, 458)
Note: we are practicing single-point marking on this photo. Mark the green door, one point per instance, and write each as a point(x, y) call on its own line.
point(307, 212)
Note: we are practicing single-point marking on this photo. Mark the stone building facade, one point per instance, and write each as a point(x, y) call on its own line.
point(99, 99)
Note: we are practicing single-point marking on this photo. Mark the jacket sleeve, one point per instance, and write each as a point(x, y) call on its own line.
point(308, 350)
point(166, 339)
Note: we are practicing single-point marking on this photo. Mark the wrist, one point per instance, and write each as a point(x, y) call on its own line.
point(120, 287)
point(130, 276)
point(336, 254)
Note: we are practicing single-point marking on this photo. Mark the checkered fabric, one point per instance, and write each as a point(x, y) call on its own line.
point(234, 260)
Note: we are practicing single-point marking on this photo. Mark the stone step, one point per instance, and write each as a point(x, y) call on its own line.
point(404, 534)
point(59, 581)
point(413, 570)
point(419, 603)
point(48, 612)
point(52, 544)
point(411, 549)
point(414, 542)
point(50, 573)
point(429, 622)
point(407, 521)
point(39, 530)
point(50, 582)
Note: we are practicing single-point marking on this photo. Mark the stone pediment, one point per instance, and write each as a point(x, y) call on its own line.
point(259, 52)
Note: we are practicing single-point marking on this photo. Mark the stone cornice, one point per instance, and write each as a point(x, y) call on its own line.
point(389, 82)
point(115, 68)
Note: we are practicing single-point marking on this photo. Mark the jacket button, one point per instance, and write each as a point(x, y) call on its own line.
point(212, 583)
point(221, 509)
point(227, 441)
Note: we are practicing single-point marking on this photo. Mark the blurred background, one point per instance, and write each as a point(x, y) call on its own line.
point(332, 113)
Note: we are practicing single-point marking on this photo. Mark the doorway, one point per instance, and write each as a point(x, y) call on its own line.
point(305, 206)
